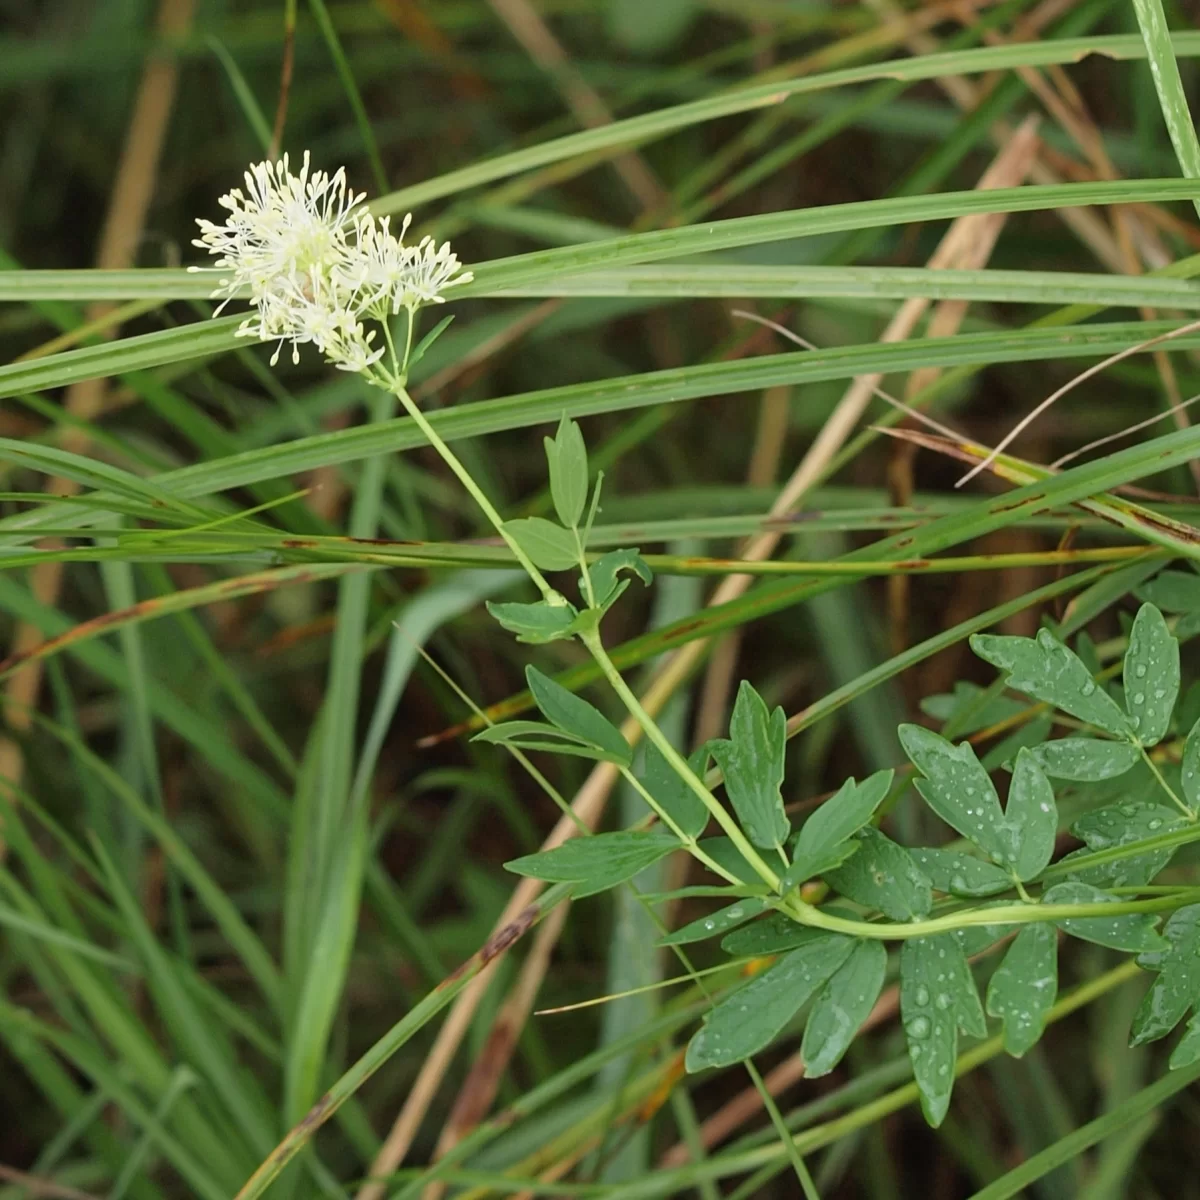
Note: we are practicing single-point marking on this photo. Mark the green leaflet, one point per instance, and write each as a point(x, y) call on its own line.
point(1085, 760)
point(841, 816)
point(1151, 675)
point(727, 855)
point(1128, 931)
point(883, 875)
point(1189, 774)
point(753, 1016)
point(566, 456)
point(575, 716)
point(841, 1008)
point(970, 708)
point(663, 782)
point(774, 934)
point(937, 999)
point(599, 862)
point(752, 761)
point(959, 790)
point(535, 735)
point(537, 623)
point(1174, 591)
point(1176, 988)
point(1024, 987)
point(716, 923)
point(959, 874)
point(1118, 825)
point(1044, 668)
point(550, 546)
point(605, 574)
point(1031, 816)
point(804, 869)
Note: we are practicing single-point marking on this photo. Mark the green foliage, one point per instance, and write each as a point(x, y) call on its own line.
point(753, 1016)
point(827, 832)
point(1023, 989)
point(843, 1005)
point(566, 456)
point(550, 546)
point(595, 864)
point(883, 875)
point(937, 999)
point(1044, 668)
point(228, 871)
point(751, 760)
point(577, 718)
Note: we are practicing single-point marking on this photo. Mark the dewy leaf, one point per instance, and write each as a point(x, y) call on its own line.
point(605, 572)
point(843, 1005)
point(1189, 772)
point(1044, 668)
point(716, 923)
point(1118, 825)
point(960, 874)
point(1188, 1050)
point(1127, 931)
point(959, 790)
point(574, 715)
point(774, 934)
point(1176, 591)
point(1085, 760)
point(937, 998)
point(550, 546)
point(537, 623)
point(842, 815)
point(662, 781)
point(1032, 816)
point(1176, 988)
point(599, 862)
point(566, 456)
point(753, 1016)
point(1024, 987)
point(1151, 675)
point(883, 875)
point(752, 763)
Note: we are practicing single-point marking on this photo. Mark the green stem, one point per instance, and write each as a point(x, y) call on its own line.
point(1166, 787)
point(1014, 914)
point(678, 763)
point(690, 844)
point(464, 477)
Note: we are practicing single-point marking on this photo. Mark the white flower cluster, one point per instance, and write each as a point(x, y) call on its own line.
point(317, 264)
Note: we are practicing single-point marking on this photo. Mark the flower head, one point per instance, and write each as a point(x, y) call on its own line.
point(284, 228)
point(316, 264)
